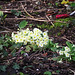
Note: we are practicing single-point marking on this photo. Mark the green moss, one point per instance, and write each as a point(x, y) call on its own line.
point(59, 24)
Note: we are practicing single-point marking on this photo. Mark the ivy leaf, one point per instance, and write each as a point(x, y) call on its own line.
point(16, 66)
point(1, 47)
point(23, 24)
point(3, 67)
point(47, 73)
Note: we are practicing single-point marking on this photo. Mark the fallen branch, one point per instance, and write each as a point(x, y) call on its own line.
point(35, 19)
point(26, 11)
point(72, 71)
point(67, 39)
point(28, 18)
point(5, 28)
point(5, 31)
point(49, 20)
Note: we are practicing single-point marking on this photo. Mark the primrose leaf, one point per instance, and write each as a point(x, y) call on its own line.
point(28, 49)
point(1, 13)
point(69, 45)
point(23, 24)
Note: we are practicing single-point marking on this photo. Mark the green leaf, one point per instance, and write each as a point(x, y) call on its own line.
point(28, 49)
point(1, 47)
point(69, 45)
point(21, 73)
point(47, 73)
point(73, 21)
point(57, 71)
point(6, 44)
point(23, 24)
point(13, 11)
point(16, 46)
point(55, 58)
point(1, 13)
point(22, 52)
point(53, 49)
point(73, 58)
point(72, 4)
point(16, 66)
point(13, 53)
point(5, 53)
point(3, 67)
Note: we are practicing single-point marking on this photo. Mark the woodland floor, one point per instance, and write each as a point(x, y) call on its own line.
point(35, 62)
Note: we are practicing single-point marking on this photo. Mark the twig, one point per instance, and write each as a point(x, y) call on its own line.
point(49, 20)
point(5, 31)
point(67, 39)
point(27, 18)
point(5, 28)
point(72, 71)
point(26, 11)
point(35, 19)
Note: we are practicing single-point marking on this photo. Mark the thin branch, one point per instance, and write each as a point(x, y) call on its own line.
point(5, 31)
point(26, 11)
point(67, 39)
point(49, 20)
point(5, 28)
point(27, 18)
point(35, 19)
point(72, 71)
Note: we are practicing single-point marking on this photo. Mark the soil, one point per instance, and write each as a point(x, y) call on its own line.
point(36, 63)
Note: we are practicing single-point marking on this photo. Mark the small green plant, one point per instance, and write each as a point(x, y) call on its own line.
point(16, 66)
point(30, 25)
point(4, 43)
point(0, 7)
point(52, 46)
point(2, 17)
point(16, 13)
point(59, 24)
point(47, 73)
point(22, 73)
point(68, 52)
